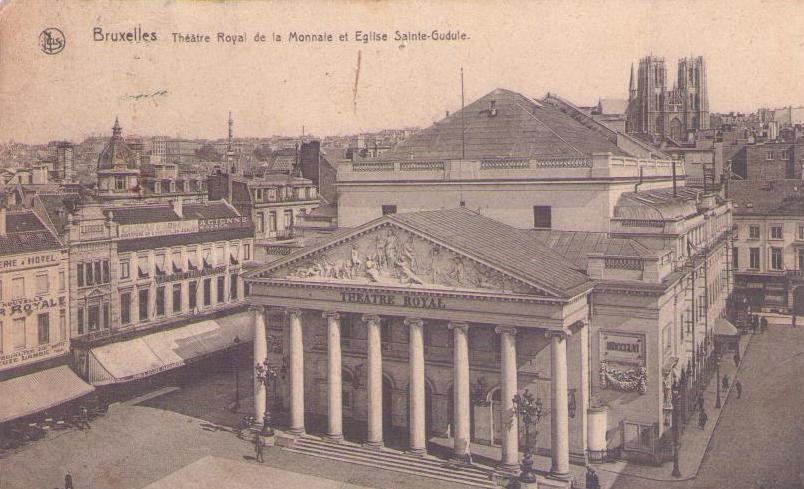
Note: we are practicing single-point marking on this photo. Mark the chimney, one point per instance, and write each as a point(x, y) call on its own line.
point(3, 217)
point(177, 206)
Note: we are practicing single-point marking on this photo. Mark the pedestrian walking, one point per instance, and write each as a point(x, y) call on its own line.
point(725, 382)
point(794, 320)
point(85, 418)
point(701, 403)
point(592, 481)
point(702, 419)
point(68, 481)
point(737, 358)
point(739, 387)
point(764, 324)
point(259, 446)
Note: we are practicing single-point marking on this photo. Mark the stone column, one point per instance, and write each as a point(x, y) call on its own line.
point(374, 364)
point(296, 373)
point(508, 389)
point(260, 355)
point(559, 416)
point(460, 390)
point(416, 390)
point(334, 384)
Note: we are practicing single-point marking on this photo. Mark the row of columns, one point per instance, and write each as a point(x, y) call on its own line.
point(461, 387)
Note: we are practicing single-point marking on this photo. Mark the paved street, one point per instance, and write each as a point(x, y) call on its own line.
point(760, 437)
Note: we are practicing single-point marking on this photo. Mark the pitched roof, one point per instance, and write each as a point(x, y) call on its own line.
point(162, 213)
point(507, 248)
point(613, 105)
point(657, 204)
point(25, 233)
point(575, 246)
point(517, 126)
point(781, 197)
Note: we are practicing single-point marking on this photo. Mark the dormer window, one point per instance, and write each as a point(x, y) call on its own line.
point(157, 187)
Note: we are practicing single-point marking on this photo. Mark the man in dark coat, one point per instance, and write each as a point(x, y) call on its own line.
point(763, 324)
point(68, 481)
point(592, 481)
point(737, 358)
point(702, 419)
point(739, 387)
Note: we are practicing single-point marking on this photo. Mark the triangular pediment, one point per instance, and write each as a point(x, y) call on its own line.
point(389, 254)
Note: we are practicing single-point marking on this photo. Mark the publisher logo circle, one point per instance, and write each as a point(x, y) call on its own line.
point(52, 41)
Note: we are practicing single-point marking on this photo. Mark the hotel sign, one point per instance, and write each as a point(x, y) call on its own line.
point(623, 348)
point(28, 305)
point(32, 354)
point(18, 263)
point(146, 230)
point(382, 299)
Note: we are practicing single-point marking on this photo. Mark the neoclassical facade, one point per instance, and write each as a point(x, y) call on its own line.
point(428, 323)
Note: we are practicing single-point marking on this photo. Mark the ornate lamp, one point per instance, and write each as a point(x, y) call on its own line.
point(529, 411)
point(266, 373)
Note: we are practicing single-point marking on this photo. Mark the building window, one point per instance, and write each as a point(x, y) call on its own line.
point(143, 270)
point(388, 209)
point(735, 257)
point(62, 324)
point(288, 219)
point(246, 252)
point(753, 231)
point(17, 287)
point(93, 317)
point(19, 334)
point(769, 155)
point(207, 291)
point(177, 263)
point(221, 288)
point(176, 298)
point(62, 281)
point(272, 221)
point(800, 232)
point(80, 320)
point(542, 216)
point(785, 154)
point(753, 258)
point(98, 273)
point(776, 259)
point(125, 271)
point(125, 307)
point(258, 194)
point(260, 222)
point(801, 259)
point(220, 256)
point(160, 301)
point(193, 295)
point(42, 283)
point(43, 328)
point(776, 232)
point(143, 299)
point(233, 286)
point(119, 183)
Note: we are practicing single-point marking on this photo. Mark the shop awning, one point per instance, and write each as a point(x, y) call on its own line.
point(724, 328)
point(166, 350)
point(32, 393)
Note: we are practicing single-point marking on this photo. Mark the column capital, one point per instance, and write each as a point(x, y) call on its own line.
point(331, 315)
point(293, 312)
point(556, 334)
point(371, 318)
point(256, 308)
point(414, 322)
point(506, 330)
point(459, 325)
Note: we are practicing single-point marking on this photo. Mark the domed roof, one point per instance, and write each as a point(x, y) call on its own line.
point(117, 154)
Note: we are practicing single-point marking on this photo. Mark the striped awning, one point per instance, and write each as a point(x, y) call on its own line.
point(39, 391)
point(148, 355)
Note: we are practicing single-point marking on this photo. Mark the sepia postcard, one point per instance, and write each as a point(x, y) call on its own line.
point(401, 244)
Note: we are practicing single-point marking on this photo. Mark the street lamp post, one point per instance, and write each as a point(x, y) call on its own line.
point(676, 443)
point(236, 406)
point(266, 374)
point(529, 410)
point(717, 379)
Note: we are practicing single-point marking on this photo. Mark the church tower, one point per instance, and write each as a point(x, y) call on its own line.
point(118, 168)
point(692, 86)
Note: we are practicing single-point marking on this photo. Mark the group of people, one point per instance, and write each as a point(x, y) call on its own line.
point(755, 322)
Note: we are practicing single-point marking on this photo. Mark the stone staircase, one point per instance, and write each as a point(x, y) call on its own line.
point(393, 460)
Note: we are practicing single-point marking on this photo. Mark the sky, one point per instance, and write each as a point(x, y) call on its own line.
point(583, 51)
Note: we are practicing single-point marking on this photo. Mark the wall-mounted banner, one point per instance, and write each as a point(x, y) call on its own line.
point(29, 305)
point(145, 230)
point(21, 262)
point(32, 354)
point(223, 223)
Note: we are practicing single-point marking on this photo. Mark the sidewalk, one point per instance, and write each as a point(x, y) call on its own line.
point(694, 441)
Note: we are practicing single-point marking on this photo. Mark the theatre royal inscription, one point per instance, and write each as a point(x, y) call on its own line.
point(420, 302)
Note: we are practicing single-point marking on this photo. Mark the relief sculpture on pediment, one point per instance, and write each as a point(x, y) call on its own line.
point(394, 256)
